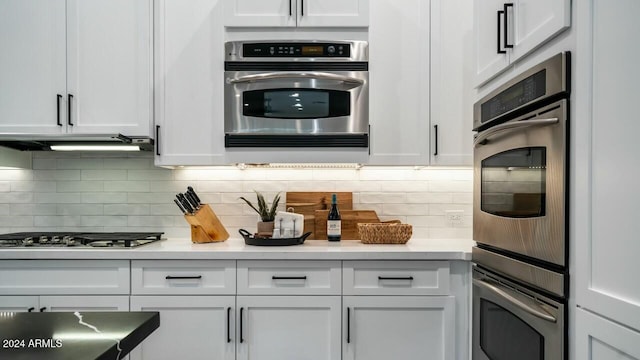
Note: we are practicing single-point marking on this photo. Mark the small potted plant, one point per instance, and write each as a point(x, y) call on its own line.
point(267, 215)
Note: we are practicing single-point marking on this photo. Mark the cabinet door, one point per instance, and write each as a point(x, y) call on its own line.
point(191, 327)
point(399, 88)
point(398, 327)
point(19, 303)
point(258, 13)
point(84, 303)
point(32, 66)
point(339, 13)
point(288, 327)
point(491, 57)
point(109, 66)
point(605, 203)
point(535, 22)
point(451, 82)
point(600, 339)
point(189, 82)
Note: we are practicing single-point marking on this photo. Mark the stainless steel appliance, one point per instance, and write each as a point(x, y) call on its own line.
point(297, 94)
point(520, 210)
point(78, 239)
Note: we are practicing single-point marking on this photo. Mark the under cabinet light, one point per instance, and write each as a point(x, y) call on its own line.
point(95, 148)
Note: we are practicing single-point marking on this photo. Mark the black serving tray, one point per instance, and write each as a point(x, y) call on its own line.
point(250, 239)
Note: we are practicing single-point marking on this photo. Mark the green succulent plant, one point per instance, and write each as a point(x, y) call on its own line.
point(266, 213)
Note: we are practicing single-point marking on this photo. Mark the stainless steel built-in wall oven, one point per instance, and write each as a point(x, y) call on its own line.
point(297, 94)
point(520, 285)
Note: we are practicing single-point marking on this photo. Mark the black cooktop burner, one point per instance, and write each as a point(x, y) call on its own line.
point(78, 239)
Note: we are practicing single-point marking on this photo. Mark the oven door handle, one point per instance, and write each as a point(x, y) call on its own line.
point(290, 75)
point(504, 293)
point(483, 136)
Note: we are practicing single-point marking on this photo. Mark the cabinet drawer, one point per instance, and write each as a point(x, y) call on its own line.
point(212, 277)
point(396, 277)
point(56, 277)
point(289, 278)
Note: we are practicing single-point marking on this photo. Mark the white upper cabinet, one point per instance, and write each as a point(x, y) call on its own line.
point(189, 69)
point(507, 31)
point(292, 13)
point(75, 67)
point(32, 66)
point(109, 66)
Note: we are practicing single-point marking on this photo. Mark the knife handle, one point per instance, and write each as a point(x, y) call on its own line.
point(193, 192)
point(180, 206)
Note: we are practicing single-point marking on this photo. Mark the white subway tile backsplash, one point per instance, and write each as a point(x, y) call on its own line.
point(80, 186)
point(104, 174)
point(114, 192)
point(33, 209)
point(104, 198)
point(80, 209)
point(127, 186)
point(34, 186)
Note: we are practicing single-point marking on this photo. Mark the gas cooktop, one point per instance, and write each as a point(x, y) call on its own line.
point(78, 239)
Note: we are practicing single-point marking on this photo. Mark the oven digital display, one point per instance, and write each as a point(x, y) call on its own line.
point(515, 96)
point(312, 50)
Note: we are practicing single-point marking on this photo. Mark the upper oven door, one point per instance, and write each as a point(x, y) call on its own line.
point(511, 324)
point(520, 182)
point(296, 102)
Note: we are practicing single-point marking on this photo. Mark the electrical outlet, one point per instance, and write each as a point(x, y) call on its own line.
point(454, 217)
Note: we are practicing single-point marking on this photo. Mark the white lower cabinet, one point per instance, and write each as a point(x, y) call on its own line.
point(600, 339)
point(63, 303)
point(191, 327)
point(398, 327)
point(288, 327)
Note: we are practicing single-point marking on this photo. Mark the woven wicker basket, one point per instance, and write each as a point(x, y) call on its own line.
point(381, 233)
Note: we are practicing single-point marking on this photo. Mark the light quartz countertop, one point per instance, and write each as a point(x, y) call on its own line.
point(235, 248)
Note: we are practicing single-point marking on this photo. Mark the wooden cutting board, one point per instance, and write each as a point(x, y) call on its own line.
point(350, 221)
point(306, 203)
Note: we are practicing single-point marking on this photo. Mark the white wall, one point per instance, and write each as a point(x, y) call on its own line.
point(116, 192)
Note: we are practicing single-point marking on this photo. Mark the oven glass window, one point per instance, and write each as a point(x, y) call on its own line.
point(296, 103)
point(503, 336)
point(513, 183)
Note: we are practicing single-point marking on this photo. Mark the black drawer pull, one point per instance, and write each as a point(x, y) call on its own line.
point(348, 326)
point(500, 51)
point(169, 277)
point(58, 109)
point(241, 335)
point(289, 277)
point(30, 309)
point(70, 97)
point(409, 278)
point(506, 26)
point(228, 325)
point(42, 309)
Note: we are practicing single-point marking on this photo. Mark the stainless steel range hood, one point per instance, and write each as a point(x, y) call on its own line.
point(48, 142)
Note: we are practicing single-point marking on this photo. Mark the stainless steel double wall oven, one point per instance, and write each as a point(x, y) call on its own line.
point(520, 212)
point(297, 94)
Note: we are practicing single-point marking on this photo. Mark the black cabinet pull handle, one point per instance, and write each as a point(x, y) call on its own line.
point(241, 335)
point(42, 309)
point(500, 51)
point(409, 278)
point(302, 6)
point(158, 140)
point(435, 128)
point(169, 277)
point(506, 26)
point(30, 309)
point(59, 97)
point(290, 11)
point(348, 326)
point(289, 277)
point(228, 325)
point(70, 97)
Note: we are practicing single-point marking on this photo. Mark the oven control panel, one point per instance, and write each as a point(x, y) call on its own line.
point(296, 50)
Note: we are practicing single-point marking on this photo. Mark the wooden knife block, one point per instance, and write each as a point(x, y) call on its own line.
point(205, 226)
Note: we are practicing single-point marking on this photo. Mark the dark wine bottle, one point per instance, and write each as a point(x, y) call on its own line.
point(334, 221)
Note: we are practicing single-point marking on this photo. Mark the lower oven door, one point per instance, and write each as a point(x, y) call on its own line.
point(510, 322)
point(294, 103)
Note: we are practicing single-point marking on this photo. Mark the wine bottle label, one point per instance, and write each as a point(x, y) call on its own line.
point(334, 227)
